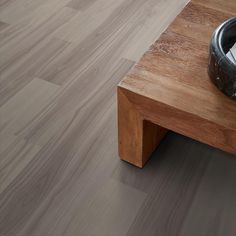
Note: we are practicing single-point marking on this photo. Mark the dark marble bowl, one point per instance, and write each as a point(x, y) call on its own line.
point(221, 70)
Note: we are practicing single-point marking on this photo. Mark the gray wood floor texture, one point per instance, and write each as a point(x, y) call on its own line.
point(60, 175)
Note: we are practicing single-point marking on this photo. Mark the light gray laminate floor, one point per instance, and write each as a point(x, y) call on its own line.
point(60, 62)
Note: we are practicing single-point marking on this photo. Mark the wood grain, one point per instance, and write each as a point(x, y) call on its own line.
point(17, 112)
point(15, 153)
point(20, 61)
point(227, 7)
point(60, 174)
point(137, 138)
point(81, 5)
point(188, 170)
point(3, 25)
point(214, 189)
point(108, 200)
point(170, 86)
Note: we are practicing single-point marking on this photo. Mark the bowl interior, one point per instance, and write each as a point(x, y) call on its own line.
point(228, 38)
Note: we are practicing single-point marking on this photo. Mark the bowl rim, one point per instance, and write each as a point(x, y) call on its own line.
point(218, 36)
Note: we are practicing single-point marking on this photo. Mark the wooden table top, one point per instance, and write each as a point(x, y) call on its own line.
point(174, 70)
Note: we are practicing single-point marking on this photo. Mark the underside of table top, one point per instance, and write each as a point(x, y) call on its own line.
point(170, 87)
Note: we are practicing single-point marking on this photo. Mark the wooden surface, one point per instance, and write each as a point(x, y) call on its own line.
point(60, 174)
point(138, 138)
point(170, 86)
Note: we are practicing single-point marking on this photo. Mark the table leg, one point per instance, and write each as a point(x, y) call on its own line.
point(138, 137)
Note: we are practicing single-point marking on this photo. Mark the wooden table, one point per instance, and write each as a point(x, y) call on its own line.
point(169, 89)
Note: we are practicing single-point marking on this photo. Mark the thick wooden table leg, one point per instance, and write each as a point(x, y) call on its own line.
point(138, 137)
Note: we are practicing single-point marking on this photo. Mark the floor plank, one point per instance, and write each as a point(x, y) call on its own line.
point(3, 25)
point(90, 169)
point(15, 155)
point(105, 213)
point(216, 194)
point(150, 29)
point(71, 102)
point(60, 173)
point(101, 15)
point(61, 158)
point(36, 46)
point(193, 198)
point(13, 12)
point(81, 5)
point(25, 105)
